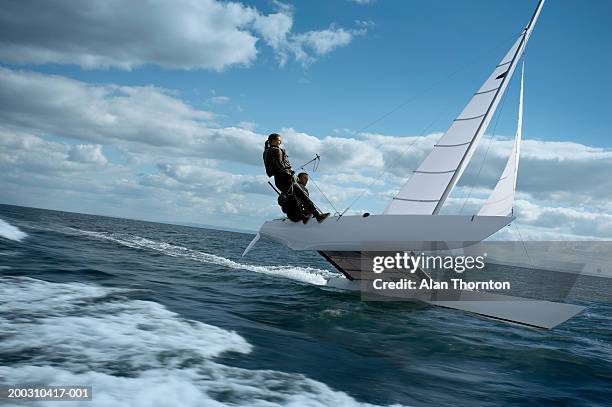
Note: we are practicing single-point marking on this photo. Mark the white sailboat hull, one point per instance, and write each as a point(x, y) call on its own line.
point(384, 232)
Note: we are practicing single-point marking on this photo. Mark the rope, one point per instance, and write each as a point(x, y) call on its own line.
point(524, 246)
point(315, 165)
point(392, 163)
point(326, 198)
point(316, 160)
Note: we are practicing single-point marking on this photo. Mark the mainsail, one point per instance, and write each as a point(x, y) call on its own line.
point(432, 182)
point(501, 200)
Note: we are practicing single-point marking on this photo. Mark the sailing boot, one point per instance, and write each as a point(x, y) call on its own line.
point(321, 216)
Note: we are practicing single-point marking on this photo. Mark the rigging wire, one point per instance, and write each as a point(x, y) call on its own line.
point(315, 165)
point(392, 163)
point(524, 246)
point(326, 198)
point(434, 85)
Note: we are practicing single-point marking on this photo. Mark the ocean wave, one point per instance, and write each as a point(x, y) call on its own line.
point(134, 352)
point(308, 275)
point(11, 232)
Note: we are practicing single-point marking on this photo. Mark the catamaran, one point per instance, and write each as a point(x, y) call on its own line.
point(412, 220)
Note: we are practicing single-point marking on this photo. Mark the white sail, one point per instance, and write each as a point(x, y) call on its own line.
point(432, 182)
point(501, 200)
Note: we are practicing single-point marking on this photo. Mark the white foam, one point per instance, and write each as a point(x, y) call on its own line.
point(304, 274)
point(11, 232)
point(134, 353)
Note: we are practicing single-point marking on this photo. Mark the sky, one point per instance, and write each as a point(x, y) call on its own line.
point(159, 110)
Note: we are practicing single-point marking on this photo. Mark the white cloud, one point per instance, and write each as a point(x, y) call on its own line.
point(39, 172)
point(219, 100)
point(112, 33)
point(362, 1)
point(87, 153)
point(402, 154)
point(21, 150)
point(204, 179)
point(549, 171)
point(230, 208)
point(274, 28)
point(62, 106)
point(247, 125)
point(324, 41)
point(336, 152)
point(143, 120)
point(353, 178)
point(319, 42)
point(183, 34)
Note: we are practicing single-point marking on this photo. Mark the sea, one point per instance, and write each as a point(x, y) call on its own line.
point(154, 314)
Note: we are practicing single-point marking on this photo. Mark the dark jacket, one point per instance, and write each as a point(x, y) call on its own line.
point(277, 162)
point(304, 189)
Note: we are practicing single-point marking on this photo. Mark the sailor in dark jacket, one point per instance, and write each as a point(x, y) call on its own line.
point(302, 180)
point(277, 165)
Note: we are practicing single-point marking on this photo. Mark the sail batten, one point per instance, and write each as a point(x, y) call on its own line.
point(426, 191)
point(486, 91)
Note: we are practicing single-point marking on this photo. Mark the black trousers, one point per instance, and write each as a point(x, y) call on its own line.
point(287, 185)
